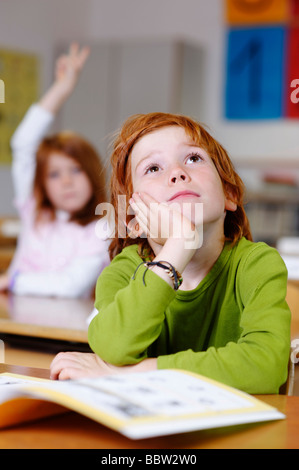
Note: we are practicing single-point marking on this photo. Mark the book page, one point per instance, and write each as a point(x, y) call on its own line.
point(150, 403)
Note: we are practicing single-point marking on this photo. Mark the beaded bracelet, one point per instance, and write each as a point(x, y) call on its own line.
point(174, 275)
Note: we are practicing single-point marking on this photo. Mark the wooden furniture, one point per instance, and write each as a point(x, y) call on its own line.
point(292, 385)
point(293, 302)
point(43, 317)
point(35, 329)
point(273, 213)
point(73, 431)
point(8, 240)
point(9, 230)
point(6, 256)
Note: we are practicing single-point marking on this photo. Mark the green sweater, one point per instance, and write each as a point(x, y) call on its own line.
point(234, 327)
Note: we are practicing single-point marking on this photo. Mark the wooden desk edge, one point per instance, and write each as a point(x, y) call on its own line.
point(22, 370)
point(48, 332)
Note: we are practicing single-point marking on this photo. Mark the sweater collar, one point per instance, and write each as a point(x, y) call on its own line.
point(212, 274)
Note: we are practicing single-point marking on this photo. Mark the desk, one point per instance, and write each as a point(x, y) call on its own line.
point(43, 317)
point(73, 431)
point(6, 256)
point(34, 329)
point(9, 230)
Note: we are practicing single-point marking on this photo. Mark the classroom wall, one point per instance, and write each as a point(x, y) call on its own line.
point(42, 26)
point(36, 26)
point(200, 22)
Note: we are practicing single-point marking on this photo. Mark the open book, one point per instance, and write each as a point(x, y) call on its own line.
point(139, 405)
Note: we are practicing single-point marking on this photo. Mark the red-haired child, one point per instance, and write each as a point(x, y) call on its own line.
point(58, 182)
point(187, 288)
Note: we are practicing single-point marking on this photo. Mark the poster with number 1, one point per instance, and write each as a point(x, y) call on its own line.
point(254, 87)
point(262, 71)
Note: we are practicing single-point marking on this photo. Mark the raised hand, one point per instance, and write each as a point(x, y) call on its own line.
point(68, 69)
point(69, 66)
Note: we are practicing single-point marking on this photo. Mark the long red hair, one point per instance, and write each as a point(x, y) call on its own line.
point(74, 146)
point(236, 223)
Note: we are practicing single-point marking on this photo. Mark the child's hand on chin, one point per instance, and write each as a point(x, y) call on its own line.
point(160, 221)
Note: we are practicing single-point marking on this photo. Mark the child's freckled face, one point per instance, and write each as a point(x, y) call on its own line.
point(168, 166)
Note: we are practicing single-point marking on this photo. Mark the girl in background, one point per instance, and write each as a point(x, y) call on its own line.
point(58, 182)
point(211, 304)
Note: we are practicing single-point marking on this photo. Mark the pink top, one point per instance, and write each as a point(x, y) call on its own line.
point(58, 258)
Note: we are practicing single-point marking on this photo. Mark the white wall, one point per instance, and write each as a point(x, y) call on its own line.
point(36, 26)
point(41, 25)
point(201, 22)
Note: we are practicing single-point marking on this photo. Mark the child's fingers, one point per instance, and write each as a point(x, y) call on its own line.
point(77, 56)
point(137, 225)
point(142, 227)
point(84, 53)
point(140, 209)
point(146, 198)
point(61, 65)
point(73, 51)
point(151, 215)
point(150, 206)
point(68, 365)
point(70, 373)
point(59, 363)
point(145, 203)
point(141, 213)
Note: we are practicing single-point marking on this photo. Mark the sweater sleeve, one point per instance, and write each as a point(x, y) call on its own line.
point(257, 362)
point(77, 280)
point(131, 312)
point(24, 144)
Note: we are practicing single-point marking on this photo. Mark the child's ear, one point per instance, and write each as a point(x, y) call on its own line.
point(230, 204)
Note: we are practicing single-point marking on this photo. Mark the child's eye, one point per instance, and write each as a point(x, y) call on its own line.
point(152, 169)
point(194, 158)
point(53, 174)
point(76, 169)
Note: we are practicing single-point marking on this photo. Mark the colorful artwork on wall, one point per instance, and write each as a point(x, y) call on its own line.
point(256, 11)
point(19, 74)
point(262, 59)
